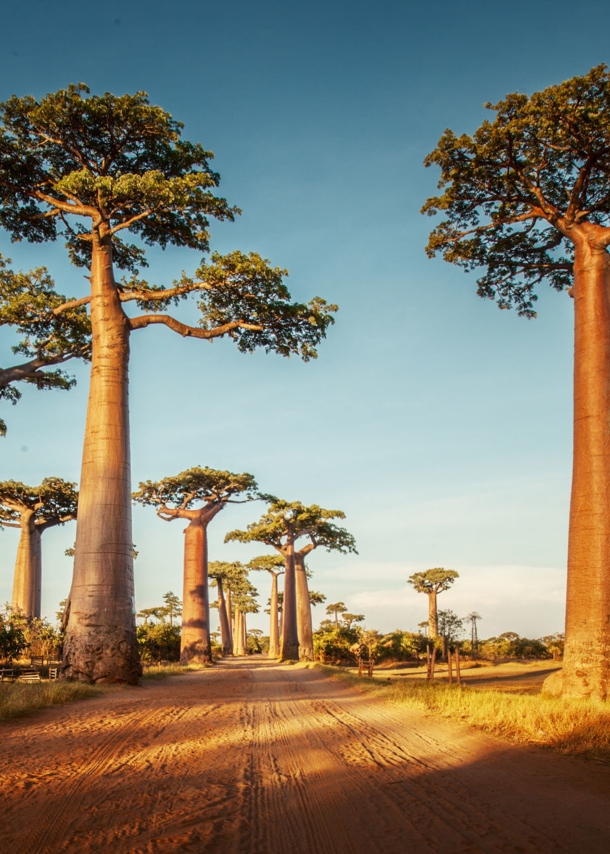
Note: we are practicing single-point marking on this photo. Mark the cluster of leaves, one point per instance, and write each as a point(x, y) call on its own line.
point(54, 502)
point(159, 635)
point(19, 635)
point(511, 645)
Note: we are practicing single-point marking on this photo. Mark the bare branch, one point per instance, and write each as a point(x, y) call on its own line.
point(191, 331)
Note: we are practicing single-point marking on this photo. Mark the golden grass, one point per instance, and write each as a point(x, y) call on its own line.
point(162, 671)
point(18, 699)
point(575, 726)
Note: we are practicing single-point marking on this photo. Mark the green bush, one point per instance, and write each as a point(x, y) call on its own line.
point(158, 642)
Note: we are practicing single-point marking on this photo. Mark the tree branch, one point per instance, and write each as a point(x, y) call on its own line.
point(191, 331)
point(78, 210)
point(74, 303)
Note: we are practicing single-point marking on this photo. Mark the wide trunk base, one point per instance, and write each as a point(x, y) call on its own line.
point(104, 656)
point(586, 669)
point(305, 653)
point(289, 652)
point(196, 652)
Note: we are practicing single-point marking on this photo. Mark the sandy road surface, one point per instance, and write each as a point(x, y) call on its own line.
point(261, 759)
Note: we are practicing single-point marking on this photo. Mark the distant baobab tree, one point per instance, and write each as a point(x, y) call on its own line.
point(335, 609)
point(196, 495)
point(275, 566)
point(280, 527)
point(34, 509)
point(228, 578)
point(526, 199)
point(349, 619)
point(111, 176)
point(432, 582)
point(473, 619)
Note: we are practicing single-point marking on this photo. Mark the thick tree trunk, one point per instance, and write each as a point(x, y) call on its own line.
point(244, 632)
point(586, 668)
point(238, 642)
point(225, 630)
point(196, 643)
point(274, 648)
point(27, 580)
point(304, 624)
point(289, 650)
point(100, 644)
point(432, 615)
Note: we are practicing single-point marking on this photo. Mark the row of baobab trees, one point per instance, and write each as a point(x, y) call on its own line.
point(196, 496)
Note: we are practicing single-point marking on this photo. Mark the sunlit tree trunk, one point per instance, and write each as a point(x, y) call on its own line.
point(244, 633)
point(274, 648)
point(304, 623)
point(100, 644)
point(225, 630)
point(586, 669)
point(230, 618)
point(238, 634)
point(289, 649)
point(196, 642)
point(432, 615)
point(27, 566)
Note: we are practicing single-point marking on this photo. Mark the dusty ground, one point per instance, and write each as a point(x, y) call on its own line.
point(513, 676)
point(266, 759)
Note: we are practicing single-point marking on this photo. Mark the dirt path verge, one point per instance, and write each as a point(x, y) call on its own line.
point(258, 758)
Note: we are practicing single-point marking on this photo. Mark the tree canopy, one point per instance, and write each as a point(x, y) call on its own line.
point(174, 495)
point(54, 502)
point(516, 192)
point(434, 580)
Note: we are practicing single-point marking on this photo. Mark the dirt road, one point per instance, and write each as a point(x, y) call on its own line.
point(257, 758)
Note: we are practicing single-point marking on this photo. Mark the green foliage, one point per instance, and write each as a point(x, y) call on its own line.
point(351, 618)
point(158, 642)
point(234, 576)
point(434, 580)
point(511, 645)
point(19, 635)
point(173, 606)
point(450, 626)
point(54, 502)
point(336, 608)
point(316, 598)
point(12, 634)
point(257, 642)
point(515, 192)
point(270, 563)
point(401, 646)
point(285, 518)
point(333, 645)
point(195, 485)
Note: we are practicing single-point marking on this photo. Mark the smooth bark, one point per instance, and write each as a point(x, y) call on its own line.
point(274, 646)
point(100, 644)
point(26, 579)
point(303, 605)
point(230, 616)
point(225, 630)
point(238, 635)
point(289, 648)
point(432, 614)
point(195, 642)
point(586, 670)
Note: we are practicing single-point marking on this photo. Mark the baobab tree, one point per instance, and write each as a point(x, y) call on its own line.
point(275, 566)
point(527, 199)
point(244, 603)
point(52, 331)
point(473, 619)
point(34, 509)
point(348, 619)
point(95, 169)
point(197, 495)
point(432, 582)
point(280, 527)
point(335, 609)
point(226, 577)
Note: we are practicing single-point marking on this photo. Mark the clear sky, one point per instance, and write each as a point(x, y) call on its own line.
point(440, 425)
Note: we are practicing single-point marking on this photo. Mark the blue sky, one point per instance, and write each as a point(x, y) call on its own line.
point(440, 425)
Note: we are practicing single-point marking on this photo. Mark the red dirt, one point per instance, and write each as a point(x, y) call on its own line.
point(259, 758)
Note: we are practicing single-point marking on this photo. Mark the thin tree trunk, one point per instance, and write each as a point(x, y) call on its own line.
point(195, 643)
point(289, 650)
point(432, 615)
point(230, 620)
point(100, 644)
point(274, 648)
point(225, 631)
point(586, 668)
point(24, 578)
point(244, 632)
point(304, 625)
point(238, 645)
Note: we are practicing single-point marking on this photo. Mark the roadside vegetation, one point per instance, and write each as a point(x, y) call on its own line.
point(18, 699)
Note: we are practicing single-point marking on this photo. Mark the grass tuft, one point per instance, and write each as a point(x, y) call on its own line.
point(17, 700)
point(569, 725)
point(162, 671)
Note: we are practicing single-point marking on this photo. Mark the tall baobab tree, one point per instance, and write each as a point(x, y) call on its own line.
point(527, 200)
point(335, 609)
point(95, 170)
point(432, 582)
point(280, 527)
point(34, 509)
point(52, 331)
point(196, 495)
point(275, 566)
point(244, 603)
point(473, 619)
point(226, 577)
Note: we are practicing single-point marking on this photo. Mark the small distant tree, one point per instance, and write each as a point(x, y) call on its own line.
point(197, 495)
point(275, 566)
point(172, 607)
point(473, 618)
point(316, 598)
point(348, 619)
point(335, 609)
point(280, 527)
point(34, 509)
point(244, 603)
point(12, 634)
point(450, 628)
point(432, 582)
point(228, 578)
point(147, 614)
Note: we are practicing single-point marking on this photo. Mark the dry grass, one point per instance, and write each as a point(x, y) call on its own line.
point(580, 727)
point(162, 671)
point(18, 699)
